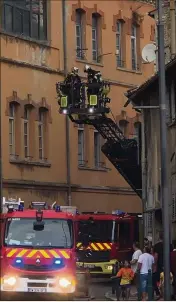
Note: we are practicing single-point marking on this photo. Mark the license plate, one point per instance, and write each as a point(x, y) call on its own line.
point(37, 290)
point(89, 265)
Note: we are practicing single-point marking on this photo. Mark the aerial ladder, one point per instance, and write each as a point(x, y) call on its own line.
point(87, 102)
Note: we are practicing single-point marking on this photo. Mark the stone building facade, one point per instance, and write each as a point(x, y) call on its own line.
point(109, 36)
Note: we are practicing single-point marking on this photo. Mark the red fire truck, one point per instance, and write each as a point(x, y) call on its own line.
point(110, 238)
point(37, 251)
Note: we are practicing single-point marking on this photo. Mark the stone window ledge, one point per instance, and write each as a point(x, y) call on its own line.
point(44, 43)
point(94, 169)
point(30, 163)
point(89, 63)
point(129, 70)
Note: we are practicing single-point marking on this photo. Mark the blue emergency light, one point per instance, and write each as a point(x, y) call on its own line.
point(118, 212)
point(18, 263)
point(58, 261)
point(57, 209)
point(20, 208)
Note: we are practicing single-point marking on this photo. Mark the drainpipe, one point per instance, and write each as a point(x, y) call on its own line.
point(144, 173)
point(173, 28)
point(67, 124)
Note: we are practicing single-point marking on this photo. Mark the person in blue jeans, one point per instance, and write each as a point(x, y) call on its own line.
point(145, 264)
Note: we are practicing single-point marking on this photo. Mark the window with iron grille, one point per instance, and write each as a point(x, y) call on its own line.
point(25, 18)
point(134, 47)
point(97, 149)
point(119, 50)
point(95, 38)
point(81, 161)
point(26, 132)
point(79, 34)
point(12, 129)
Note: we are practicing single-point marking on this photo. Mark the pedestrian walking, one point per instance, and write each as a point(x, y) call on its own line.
point(148, 242)
point(126, 274)
point(145, 264)
point(134, 262)
point(158, 256)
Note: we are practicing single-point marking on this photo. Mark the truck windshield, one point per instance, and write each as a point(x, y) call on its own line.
point(98, 231)
point(122, 234)
point(57, 233)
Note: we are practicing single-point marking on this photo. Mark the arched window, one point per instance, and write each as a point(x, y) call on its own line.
point(42, 133)
point(134, 47)
point(12, 109)
point(80, 29)
point(81, 146)
point(97, 149)
point(26, 131)
point(96, 37)
point(119, 43)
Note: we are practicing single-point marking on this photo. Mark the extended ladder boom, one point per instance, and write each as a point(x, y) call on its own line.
point(121, 152)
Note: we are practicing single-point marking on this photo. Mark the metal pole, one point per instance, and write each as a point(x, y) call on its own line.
point(164, 155)
point(64, 29)
point(1, 179)
point(144, 174)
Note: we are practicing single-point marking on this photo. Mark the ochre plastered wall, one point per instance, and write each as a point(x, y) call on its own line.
point(29, 71)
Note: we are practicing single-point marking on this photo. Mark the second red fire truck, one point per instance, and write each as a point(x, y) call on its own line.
point(110, 238)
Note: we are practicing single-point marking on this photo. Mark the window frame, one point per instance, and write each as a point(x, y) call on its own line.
point(42, 19)
point(97, 150)
point(26, 122)
point(119, 44)
point(81, 135)
point(95, 33)
point(134, 62)
point(41, 125)
point(79, 25)
point(12, 122)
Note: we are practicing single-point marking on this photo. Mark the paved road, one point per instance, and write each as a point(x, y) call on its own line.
point(99, 287)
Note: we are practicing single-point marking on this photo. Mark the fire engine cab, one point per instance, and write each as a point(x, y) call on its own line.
point(37, 250)
point(110, 238)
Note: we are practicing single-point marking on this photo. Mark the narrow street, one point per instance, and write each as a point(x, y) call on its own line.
point(99, 287)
